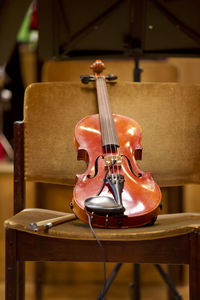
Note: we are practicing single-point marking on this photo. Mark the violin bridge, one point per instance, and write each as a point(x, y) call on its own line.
point(113, 160)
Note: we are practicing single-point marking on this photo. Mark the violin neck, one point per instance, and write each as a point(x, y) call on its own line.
point(108, 129)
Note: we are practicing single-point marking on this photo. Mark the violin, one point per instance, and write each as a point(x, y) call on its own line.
point(113, 191)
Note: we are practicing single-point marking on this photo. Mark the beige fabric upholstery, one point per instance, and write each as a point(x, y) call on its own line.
point(165, 226)
point(167, 112)
point(70, 70)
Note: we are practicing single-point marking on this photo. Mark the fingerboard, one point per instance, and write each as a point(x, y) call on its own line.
point(108, 129)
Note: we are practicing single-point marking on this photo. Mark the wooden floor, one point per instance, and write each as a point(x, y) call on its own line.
point(90, 292)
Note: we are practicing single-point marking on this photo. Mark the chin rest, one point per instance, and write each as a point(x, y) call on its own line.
point(104, 205)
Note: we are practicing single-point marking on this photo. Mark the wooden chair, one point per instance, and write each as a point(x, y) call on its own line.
point(169, 116)
point(152, 71)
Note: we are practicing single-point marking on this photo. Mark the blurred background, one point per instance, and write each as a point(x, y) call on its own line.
point(48, 40)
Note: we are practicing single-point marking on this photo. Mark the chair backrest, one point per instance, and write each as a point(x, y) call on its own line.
point(69, 70)
point(167, 112)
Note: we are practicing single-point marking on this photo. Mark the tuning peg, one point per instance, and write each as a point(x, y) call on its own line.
point(86, 78)
point(111, 77)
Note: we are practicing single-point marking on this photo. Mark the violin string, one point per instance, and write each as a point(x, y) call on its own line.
point(101, 107)
point(108, 121)
point(104, 108)
point(103, 112)
point(105, 102)
point(111, 120)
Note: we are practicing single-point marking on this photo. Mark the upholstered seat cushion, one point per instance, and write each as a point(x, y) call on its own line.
point(165, 226)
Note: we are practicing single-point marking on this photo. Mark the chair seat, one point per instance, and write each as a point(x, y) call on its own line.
point(165, 226)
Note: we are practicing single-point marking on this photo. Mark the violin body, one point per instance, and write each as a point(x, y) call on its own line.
point(140, 195)
point(113, 192)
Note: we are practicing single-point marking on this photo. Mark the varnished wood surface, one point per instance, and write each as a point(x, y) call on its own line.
point(145, 192)
point(170, 250)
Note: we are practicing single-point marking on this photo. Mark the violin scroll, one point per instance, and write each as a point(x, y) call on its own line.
point(97, 67)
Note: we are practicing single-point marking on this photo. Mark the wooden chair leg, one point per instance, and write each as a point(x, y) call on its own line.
point(11, 266)
point(137, 282)
point(175, 205)
point(194, 266)
point(39, 279)
point(21, 280)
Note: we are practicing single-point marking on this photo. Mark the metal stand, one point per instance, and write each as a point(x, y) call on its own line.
point(135, 294)
point(109, 281)
point(168, 281)
point(135, 285)
point(137, 71)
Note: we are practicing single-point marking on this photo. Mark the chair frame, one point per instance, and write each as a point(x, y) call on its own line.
point(23, 246)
